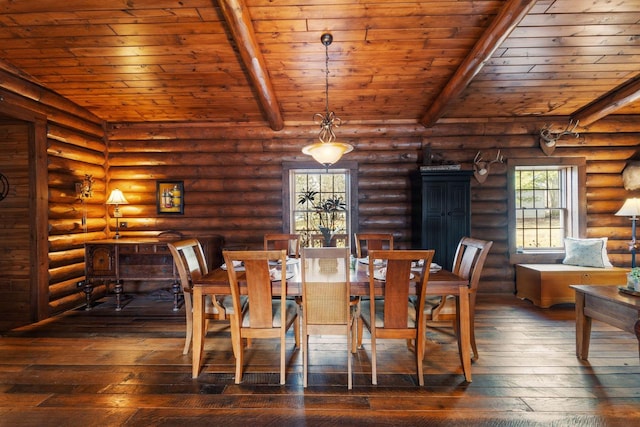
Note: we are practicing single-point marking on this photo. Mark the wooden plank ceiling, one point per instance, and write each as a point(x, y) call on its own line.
point(390, 61)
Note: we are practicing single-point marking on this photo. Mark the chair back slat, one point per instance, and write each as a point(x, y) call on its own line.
point(396, 292)
point(469, 259)
point(397, 283)
point(259, 291)
point(366, 242)
point(467, 262)
point(189, 259)
point(279, 241)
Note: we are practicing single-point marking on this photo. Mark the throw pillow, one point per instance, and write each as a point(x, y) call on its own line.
point(586, 252)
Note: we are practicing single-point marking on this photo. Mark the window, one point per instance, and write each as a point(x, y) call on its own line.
point(319, 204)
point(546, 204)
point(541, 207)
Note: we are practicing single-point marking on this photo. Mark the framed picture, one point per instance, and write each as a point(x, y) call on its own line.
point(170, 195)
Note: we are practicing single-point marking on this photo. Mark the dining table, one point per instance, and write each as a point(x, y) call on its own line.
point(440, 283)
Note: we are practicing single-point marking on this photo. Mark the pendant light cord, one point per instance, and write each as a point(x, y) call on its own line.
point(329, 120)
point(326, 76)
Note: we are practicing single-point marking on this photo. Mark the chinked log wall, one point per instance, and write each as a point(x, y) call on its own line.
point(233, 177)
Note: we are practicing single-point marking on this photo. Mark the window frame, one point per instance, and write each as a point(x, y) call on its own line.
point(578, 219)
point(351, 166)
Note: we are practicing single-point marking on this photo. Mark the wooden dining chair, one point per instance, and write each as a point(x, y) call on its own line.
point(264, 316)
point(288, 242)
point(366, 242)
point(326, 300)
point(393, 316)
point(468, 263)
point(191, 264)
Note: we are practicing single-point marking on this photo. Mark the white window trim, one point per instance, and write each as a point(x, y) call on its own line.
point(351, 166)
point(578, 222)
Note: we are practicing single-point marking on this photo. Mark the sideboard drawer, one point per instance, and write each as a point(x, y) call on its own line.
point(147, 249)
point(162, 249)
point(128, 249)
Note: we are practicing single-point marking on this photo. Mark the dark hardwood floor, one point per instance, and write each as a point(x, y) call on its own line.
point(107, 368)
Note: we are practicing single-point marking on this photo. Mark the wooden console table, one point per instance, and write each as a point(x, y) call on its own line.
point(606, 304)
point(139, 259)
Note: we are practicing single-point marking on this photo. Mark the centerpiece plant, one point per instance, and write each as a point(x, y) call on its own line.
point(633, 279)
point(327, 213)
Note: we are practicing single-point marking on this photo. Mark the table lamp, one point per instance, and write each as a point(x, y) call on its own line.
point(117, 198)
point(631, 207)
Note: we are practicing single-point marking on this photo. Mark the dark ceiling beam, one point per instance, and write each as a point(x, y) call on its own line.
point(239, 20)
point(623, 95)
point(499, 29)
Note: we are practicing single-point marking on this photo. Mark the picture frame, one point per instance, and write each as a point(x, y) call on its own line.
point(170, 197)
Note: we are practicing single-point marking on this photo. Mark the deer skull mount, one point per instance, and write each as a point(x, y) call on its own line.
point(548, 139)
point(481, 167)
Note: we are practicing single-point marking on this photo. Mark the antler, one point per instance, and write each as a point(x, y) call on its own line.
point(481, 167)
point(478, 157)
point(551, 137)
point(499, 158)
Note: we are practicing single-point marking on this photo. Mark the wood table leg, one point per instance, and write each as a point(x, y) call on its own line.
point(636, 327)
point(198, 330)
point(464, 331)
point(583, 328)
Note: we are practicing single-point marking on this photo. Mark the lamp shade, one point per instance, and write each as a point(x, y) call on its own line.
point(631, 207)
point(116, 198)
point(327, 153)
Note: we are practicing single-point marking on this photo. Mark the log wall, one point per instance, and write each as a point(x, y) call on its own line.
point(15, 259)
point(233, 181)
point(73, 220)
point(233, 177)
point(74, 147)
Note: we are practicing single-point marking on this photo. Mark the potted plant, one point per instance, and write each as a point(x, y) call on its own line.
point(633, 279)
point(327, 211)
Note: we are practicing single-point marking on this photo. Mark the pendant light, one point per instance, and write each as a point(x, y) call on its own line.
point(327, 151)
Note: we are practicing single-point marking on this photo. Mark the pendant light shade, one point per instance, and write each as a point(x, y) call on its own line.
point(327, 151)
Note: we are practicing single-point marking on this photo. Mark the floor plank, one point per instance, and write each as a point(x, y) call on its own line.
point(102, 367)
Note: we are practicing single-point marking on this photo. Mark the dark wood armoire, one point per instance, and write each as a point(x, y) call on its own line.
point(446, 211)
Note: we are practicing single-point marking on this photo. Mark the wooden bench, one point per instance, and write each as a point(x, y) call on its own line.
point(548, 284)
